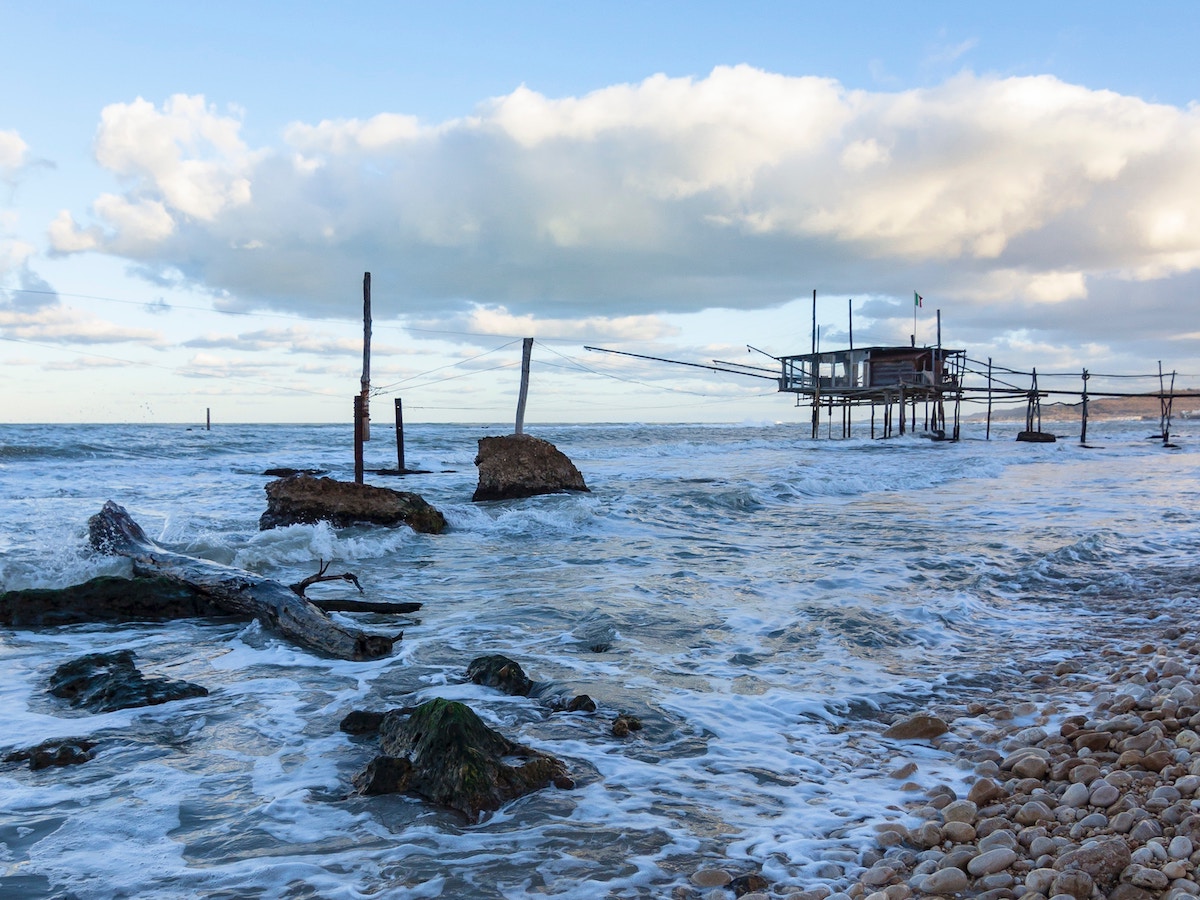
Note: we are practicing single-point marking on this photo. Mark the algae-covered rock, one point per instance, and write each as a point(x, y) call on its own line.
point(442, 751)
point(304, 500)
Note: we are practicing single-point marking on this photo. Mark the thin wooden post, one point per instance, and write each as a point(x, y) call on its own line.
point(366, 369)
point(902, 409)
point(358, 439)
point(989, 414)
point(399, 436)
point(1084, 415)
point(872, 420)
point(208, 418)
point(816, 374)
point(526, 352)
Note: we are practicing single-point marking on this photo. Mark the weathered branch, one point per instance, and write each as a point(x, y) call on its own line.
point(365, 606)
point(301, 586)
point(235, 590)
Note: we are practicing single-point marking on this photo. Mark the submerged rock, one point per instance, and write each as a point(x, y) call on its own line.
point(103, 682)
point(519, 465)
point(500, 672)
point(624, 724)
point(442, 751)
point(71, 752)
point(304, 500)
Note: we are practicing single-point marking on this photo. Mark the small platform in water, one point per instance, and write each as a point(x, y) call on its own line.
point(1036, 437)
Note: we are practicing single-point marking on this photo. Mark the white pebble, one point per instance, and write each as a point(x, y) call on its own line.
point(1180, 847)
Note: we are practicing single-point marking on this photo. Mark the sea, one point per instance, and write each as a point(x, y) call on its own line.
point(764, 603)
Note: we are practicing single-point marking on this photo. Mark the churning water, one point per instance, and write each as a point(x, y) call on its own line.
point(762, 602)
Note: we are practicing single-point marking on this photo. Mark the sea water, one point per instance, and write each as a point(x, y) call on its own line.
point(762, 602)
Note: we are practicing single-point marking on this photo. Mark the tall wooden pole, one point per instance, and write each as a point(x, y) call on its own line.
point(366, 369)
point(399, 436)
point(1083, 426)
point(526, 352)
point(359, 422)
point(989, 414)
point(816, 374)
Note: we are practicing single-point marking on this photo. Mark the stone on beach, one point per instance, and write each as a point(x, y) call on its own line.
point(304, 500)
point(915, 728)
point(519, 465)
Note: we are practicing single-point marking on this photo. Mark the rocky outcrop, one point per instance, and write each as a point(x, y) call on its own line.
point(105, 599)
point(442, 751)
point(103, 682)
point(304, 500)
point(519, 465)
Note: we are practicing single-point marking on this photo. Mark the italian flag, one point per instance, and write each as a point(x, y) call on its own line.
point(917, 299)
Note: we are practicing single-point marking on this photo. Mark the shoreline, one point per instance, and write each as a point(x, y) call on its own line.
point(1078, 779)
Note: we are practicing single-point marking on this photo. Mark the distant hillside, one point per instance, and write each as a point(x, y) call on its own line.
point(1186, 405)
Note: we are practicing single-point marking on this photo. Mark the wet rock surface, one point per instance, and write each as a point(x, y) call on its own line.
point(519, 465)
point(501, 673)
point(442, 751)
point(304, 500)
point(54, 753)
point(103, 682)
point(105, 599)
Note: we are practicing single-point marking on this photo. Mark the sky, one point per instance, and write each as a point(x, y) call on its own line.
point(190, 195)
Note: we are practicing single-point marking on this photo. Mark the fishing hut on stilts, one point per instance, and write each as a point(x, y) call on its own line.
point(905, 384)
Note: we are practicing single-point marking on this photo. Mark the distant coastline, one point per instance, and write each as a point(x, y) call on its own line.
point(1185, 406)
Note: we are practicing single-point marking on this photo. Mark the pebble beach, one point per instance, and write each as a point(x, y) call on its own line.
point(1079, 781)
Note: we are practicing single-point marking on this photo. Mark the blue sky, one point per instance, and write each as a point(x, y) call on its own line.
point(189, 194)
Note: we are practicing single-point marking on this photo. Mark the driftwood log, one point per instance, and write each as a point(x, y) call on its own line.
point(236, 591)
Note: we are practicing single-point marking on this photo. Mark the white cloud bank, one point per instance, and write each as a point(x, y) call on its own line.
point(742, 189)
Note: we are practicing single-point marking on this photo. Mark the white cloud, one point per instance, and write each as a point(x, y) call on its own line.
point(187, 154)
point(55, 324)
point(14, 153)
point(498, 321)
point(739, 190)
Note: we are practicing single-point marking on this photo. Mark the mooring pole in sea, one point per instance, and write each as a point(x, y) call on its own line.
point(989, 414)
point(208, 418)
point(1084, 409)
point(399, 436)
point(359, 419)
point(526, 352)
point(365, 383)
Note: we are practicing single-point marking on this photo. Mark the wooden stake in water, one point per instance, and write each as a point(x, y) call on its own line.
point(365, 411)
point(526, 352)
point(359, 424)
point(399, 436)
